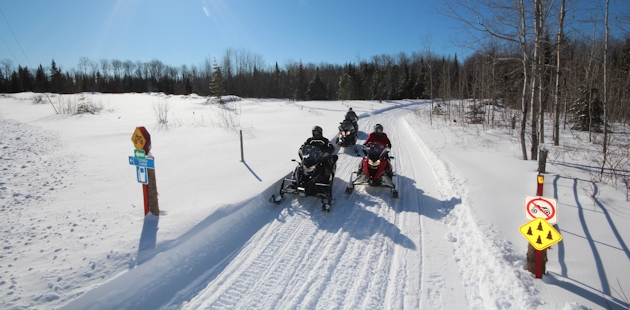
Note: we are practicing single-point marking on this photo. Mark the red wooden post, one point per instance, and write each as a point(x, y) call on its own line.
point(539, 264)
point(539, 254)
point(145, 192)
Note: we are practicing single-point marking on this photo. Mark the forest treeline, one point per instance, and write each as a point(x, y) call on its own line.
point(495, 74)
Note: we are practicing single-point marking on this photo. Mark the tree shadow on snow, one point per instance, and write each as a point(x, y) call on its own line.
point(413, 199)
point(585, 291)
point(207, 249)
point(355, 213)
point(601, 297)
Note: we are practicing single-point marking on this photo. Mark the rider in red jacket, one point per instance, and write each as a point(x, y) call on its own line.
point(378, 136)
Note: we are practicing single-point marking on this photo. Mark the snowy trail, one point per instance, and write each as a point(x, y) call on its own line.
point(74, 236)
point(367, 253)
point(370, 252)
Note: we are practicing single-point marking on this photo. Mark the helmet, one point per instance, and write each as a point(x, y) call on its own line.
point(378, 128)
point(350, 109)
point(317, 131)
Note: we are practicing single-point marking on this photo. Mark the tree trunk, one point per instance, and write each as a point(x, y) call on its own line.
point(605, 142)
point(525, 75)
point(556, 123)
point(536, 80)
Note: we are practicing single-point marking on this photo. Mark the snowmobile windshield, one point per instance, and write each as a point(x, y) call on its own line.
point(346, 126)
point(375, 150)
point(310, 155)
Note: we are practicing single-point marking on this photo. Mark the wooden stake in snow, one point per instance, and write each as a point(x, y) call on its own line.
point(542, 160)
point(242, 156)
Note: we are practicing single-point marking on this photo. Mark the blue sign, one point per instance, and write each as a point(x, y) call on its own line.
point(142, 173)
point(148, 163)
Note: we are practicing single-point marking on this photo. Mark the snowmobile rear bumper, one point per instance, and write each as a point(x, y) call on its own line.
point(361, 179)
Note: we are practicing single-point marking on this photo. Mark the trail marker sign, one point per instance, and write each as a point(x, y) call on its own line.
point(139, 154)
point(143, 175)
point(540, 234)
point(141, 139)
point(147, 162)
point(541, 207)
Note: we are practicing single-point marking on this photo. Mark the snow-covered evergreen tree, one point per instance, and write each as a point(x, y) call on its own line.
point(585, 113)
point(216, 82)
point(316, 89)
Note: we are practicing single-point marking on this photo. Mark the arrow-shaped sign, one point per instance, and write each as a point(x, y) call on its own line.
point(148, 162)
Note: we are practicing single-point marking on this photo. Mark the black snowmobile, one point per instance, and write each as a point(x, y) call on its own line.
point(347, 134)
point(310, 177)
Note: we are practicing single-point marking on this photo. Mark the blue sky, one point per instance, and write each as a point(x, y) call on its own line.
point(179, 32)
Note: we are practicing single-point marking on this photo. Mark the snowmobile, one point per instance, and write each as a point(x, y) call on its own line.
point(347, 134)
point(374, 169)
point(310, 177)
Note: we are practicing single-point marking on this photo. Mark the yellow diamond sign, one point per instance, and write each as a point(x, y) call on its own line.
point(141, 139)
point(540, 234)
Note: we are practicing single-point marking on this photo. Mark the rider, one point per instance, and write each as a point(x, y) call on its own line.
point(318, 140)
point(379, 136)
point(351, 116)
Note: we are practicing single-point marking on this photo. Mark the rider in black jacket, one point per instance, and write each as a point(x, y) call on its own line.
point(354, 118)
point(318, 140)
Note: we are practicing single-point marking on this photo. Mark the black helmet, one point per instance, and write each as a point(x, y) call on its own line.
point(350, 109)
point(378, 128)
point(317, 131)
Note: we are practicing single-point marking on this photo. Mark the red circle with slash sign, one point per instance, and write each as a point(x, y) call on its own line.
point(541, 205)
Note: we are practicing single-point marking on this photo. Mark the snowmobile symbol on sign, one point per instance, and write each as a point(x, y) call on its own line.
point(541, 207)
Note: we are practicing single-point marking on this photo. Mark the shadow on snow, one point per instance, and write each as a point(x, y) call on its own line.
point(601, 297)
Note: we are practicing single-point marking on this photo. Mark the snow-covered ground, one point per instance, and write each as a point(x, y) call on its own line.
point(74, 235)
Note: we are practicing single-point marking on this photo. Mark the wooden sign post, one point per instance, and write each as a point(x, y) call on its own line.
point(542, 212)
point(145, 167)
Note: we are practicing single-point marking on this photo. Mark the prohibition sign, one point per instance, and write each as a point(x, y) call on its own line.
point(541, 207)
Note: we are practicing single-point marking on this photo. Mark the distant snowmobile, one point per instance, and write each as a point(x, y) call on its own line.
point(375, 169)
point(310, 177)
point(347, 134)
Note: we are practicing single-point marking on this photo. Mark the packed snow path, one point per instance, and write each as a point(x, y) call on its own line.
point(370, 252)
point(367, 253)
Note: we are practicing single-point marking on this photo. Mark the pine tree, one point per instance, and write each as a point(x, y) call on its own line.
point(187, 87)
point(56, 78)
point(16, 85)
point(301, 85)
point(350, 84)
point(41, 80)
point(476, 113)
point(587, 110)
point(377, 89)
point(216, 82)
point(345, 88)
point(405, 84)
point(316, 88)
point(26, 79)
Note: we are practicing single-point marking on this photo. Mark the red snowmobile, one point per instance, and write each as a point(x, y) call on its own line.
point(375, 169)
